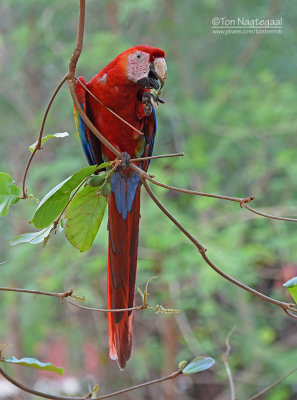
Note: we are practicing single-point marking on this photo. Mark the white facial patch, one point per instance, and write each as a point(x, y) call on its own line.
point(138, 65)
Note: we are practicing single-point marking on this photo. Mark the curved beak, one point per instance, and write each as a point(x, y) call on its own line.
point(159, 68)
point(157, 72)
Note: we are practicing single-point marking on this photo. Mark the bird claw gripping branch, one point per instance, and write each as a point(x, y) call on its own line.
point(149, 101)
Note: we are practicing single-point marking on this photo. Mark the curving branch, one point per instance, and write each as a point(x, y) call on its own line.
point(38, 144)
point(69, 293)
point(136, 308)
point(256, 396)
point(63, 295)
point(89, 395)
point(242, 201)
point(268, 215)
point(194, 192)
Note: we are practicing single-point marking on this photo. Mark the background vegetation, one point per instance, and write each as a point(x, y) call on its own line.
point(231, 107)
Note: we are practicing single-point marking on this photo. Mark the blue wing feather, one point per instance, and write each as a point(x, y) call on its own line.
point(82, 129)
point(86, 145)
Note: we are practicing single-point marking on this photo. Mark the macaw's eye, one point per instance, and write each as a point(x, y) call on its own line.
point(138, 55)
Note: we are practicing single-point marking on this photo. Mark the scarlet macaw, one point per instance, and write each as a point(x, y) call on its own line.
point(124, 87)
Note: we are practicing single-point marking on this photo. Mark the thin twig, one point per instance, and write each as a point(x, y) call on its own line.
point(194, 192)
point(136, 308)
point(38, 144)
point(256, 396)
point(156, 157)
point(79, 40)
point(268, 215)
point(68, 293)
point(242, 201)
point(166, 378)
point(107, 396)
point(36, 392)
point(225, 357)
point(290, 314)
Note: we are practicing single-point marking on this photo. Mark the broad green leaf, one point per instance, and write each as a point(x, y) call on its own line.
point(55, 201)
point(9, 193)
point(83, 217)
point(32, 237)
point(291, 285)
point(33, 363)
point(47, 137)
point(197, 365)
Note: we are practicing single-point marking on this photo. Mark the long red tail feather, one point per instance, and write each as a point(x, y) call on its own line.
point(121, 277)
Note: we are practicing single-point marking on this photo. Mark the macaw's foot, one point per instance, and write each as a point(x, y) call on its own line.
point(149, 101)
point(125, 157)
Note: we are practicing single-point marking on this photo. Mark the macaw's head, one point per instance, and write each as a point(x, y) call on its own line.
point(146, 66)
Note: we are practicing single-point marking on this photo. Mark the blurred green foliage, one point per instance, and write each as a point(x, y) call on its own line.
point(231, 107)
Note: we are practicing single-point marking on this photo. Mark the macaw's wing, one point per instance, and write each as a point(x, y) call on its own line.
point(91, 145)
point(149, 130)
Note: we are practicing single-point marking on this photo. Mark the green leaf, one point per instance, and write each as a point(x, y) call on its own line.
point(197, 365)
point(47, 137)
point(9, 193)
point(33, 363)
point(56, 200)
point(83, 217)
point(32, 237)
point(291, 285)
